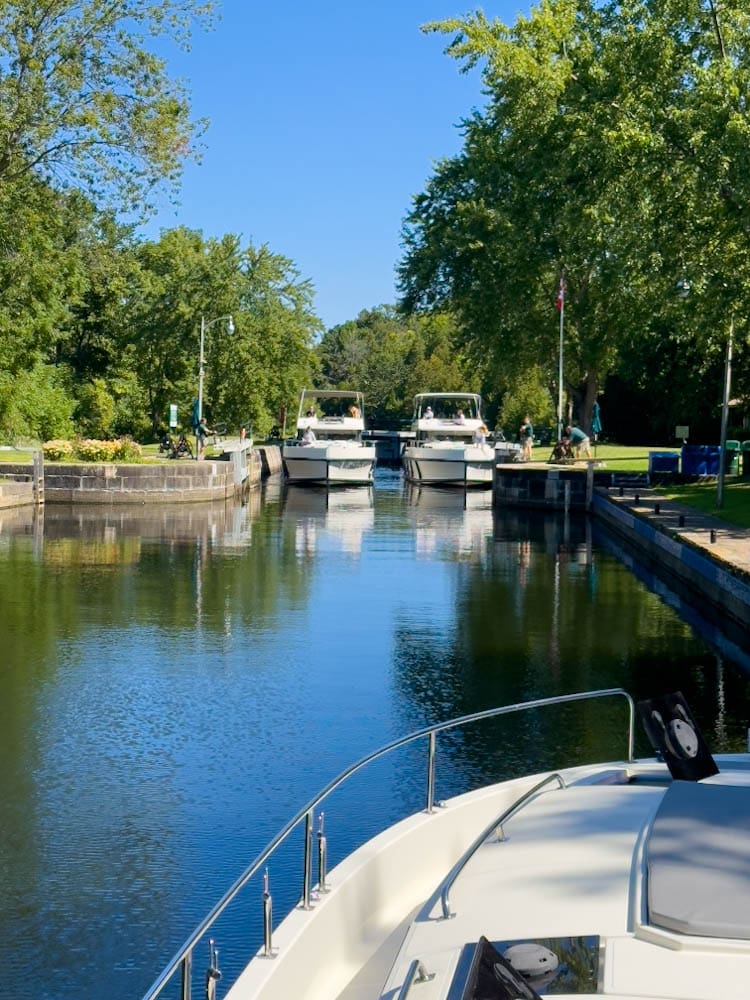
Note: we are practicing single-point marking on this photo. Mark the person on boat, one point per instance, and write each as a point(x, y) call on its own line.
point(310, 412)
point(428, 414)
point(309, 436)
point(527, 438)
point(579, 441)
point(354, 411)
point(480, 435)
point(460, 418)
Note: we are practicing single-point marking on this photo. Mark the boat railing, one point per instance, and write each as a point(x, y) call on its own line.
point(496, 824)
point(183, 959)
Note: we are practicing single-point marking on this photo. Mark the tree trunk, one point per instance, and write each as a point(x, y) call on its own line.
point(591, 391)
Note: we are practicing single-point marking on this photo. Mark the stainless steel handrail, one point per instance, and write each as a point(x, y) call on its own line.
point(417, 974)
point(504, 816)
point(182, 959)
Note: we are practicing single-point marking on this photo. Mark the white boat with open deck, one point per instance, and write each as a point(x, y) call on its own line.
point(328, 448)
point(622, 880)
point(450, 447)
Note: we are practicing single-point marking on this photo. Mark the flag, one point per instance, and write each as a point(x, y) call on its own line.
point(561, 294)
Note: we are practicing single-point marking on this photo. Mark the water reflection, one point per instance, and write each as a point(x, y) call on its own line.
point(177, 681)
point(340, 517)
point(450, 522)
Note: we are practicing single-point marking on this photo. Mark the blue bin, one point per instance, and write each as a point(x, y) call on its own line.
point(663, 461)
point(700, 460)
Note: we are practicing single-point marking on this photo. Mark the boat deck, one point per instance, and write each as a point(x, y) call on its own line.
point(590, 884)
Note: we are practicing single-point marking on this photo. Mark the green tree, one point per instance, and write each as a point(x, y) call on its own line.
point(613, 143)
point(390, 358)
point(83, 100)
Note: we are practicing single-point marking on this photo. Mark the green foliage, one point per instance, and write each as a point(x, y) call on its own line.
point(614, 142)
point(83, 98)
point(36, 403)
point(527, 396)
point(390, 359)
point(95, 412)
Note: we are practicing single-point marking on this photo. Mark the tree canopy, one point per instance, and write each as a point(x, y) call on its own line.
point(613, 145)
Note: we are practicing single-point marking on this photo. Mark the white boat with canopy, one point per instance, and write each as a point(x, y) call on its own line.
point(328, 448)
point(450, 446)
point(625, 880)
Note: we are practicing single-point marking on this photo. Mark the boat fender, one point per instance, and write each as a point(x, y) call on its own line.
point(531, 960)
point(679, 735)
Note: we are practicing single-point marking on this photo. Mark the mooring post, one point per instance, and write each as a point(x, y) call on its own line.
point(37, 477)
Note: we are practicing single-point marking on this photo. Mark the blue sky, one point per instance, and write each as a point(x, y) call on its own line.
point(326, 118)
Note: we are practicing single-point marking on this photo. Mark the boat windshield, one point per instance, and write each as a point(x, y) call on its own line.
point(448, 406)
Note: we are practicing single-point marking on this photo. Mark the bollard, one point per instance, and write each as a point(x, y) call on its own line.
point(713, 535)
point(622, 491)
point(657, 508)
point(636, 499)
point(681, 521)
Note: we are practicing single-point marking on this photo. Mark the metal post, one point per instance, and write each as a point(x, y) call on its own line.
point(213, 975)
point(307, 872)
point(431, 774)
point(187, 965)
point(725, 415)
point(322, 855)
point(201, 363)
point(561, 301)
point(267, 917)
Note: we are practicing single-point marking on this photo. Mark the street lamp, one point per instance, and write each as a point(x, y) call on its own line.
point(202, 360)
point(683, 291)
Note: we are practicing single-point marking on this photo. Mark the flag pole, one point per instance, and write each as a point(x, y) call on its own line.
point(561, 307)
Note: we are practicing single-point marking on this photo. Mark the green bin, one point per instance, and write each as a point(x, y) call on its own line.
point(732, 457)
point(745, 448)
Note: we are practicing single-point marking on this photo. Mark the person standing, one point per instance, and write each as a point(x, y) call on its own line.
point(579, 441)
point(201, 436)
point(527, 438)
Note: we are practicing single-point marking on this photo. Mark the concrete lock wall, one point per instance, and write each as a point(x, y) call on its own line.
point(553, 489)
point(164, 481)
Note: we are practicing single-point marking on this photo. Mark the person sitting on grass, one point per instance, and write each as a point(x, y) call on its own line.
point(579, 441)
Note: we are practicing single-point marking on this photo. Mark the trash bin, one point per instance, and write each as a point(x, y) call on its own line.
point(700, 460)
point(663, 461)
point(745, 449)
point(732, 457)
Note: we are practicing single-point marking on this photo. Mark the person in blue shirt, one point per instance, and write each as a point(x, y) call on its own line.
point(579, 441)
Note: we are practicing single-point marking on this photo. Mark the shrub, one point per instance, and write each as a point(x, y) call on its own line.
point(55, 451)
point(91, 450)
point(128, 450)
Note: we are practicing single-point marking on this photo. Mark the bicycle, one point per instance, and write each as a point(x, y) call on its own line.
point(175, 449)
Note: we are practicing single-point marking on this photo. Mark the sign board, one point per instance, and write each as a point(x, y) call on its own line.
point(172, 414)
point(683, 433)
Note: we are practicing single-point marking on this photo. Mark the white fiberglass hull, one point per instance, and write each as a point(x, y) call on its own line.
point(450, 465)
point(334, 464)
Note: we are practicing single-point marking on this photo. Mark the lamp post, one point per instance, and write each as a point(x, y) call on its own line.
point(683, 291)
point(202, 360)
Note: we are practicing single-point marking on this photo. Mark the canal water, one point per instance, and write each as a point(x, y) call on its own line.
point(177, 682)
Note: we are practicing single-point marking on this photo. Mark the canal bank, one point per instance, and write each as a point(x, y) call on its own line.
point(238, 469)
point(709, 558)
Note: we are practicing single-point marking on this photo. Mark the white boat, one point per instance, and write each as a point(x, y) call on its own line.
point(619, 880)
point(328, 448)
point(445, 450)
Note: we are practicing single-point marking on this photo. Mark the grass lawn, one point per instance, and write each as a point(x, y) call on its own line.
point(735, 508)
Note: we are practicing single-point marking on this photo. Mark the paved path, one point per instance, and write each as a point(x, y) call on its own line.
point(726, 543)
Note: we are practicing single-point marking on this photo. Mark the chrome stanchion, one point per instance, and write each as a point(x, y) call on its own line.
point(187, 965)
point(322, 855)
point(267, 917)
point(307, 872)
point(213, 975)
point(431, 774)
